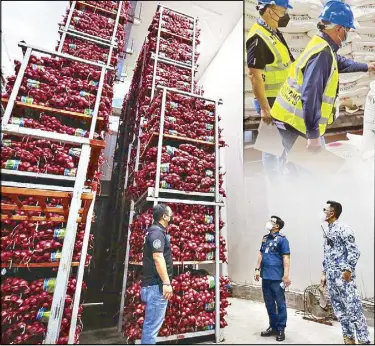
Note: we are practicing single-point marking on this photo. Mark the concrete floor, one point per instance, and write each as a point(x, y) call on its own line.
point(246, 319)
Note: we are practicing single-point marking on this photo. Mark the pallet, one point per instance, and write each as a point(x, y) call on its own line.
point(75, 115)
point(14, 193)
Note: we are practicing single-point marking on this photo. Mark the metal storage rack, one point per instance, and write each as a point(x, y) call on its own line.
point(72, 196)
point(157, 195)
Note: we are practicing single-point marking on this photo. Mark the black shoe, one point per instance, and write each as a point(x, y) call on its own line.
point(280, 335)
point(269, 332)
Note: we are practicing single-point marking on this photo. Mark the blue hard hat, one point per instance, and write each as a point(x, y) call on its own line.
point(282, 3)
point(339, 13)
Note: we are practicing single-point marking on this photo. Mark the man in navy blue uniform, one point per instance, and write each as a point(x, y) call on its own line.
point(273, 267)
point(157, 273)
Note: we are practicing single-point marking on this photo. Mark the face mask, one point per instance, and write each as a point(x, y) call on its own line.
point(345, 40)
point(283, 21)
point(323, 216)
point(269, 226)
point(167, 219)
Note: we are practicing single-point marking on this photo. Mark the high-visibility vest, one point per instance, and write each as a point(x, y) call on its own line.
point(288, 106)
point(275, 74)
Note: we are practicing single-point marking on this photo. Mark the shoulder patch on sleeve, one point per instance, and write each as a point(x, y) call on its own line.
point(351, 238)
point(156, 244)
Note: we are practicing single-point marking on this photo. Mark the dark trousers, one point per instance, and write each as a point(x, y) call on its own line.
point(274, 298)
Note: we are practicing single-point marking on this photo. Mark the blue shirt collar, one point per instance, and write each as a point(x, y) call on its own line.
point(274, 235)
point(335, 47)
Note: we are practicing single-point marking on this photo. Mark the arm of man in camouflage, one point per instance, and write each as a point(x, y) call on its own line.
point(324, 268)
point(349, 263)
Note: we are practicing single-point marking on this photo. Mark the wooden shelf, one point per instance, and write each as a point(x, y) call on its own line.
point(36, 265)
point(186, 140)
point(78, 116)
point(14, 193)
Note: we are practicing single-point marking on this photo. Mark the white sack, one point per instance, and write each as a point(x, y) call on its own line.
point(302, 7)
point(296, 52)
point(363, 78)
point(364, 13)
point(359, 2)
point(353, 89)
point(366, 27)
point(369, 120)
point(250, 20)
point(353, 101)
point(297, 40)
point(352, 36)
point(368, 37)
point(345, 49)
point(360, 47)
point(300, 23)
point(363, 57)
point(250, 7)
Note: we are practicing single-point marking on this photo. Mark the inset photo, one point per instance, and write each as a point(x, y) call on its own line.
point(309, 84)
point(307, 222)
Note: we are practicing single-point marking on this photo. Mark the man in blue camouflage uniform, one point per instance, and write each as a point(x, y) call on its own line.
point(341, 255)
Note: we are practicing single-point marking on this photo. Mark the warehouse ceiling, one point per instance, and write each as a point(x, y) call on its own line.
point(216, 20)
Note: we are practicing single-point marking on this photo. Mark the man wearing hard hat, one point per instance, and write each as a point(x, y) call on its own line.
point(307, 101)
point(268, 60)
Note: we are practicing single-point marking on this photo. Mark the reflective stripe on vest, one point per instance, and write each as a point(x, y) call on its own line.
point(275, 74)
point(295, 111)
point(288, 106)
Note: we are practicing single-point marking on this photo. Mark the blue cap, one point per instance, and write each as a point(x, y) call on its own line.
point(282, 3)
point(339, 13)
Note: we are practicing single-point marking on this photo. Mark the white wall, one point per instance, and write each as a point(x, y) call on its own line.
point(252, 198)
point(223, 79)
point(299, 202)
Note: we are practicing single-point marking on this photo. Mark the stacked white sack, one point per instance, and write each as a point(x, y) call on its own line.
point(368, 142)
point(251, 16)
point(303, 17)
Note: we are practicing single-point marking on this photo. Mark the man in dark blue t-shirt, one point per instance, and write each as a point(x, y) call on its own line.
point(157, 273)
point(273, 267)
